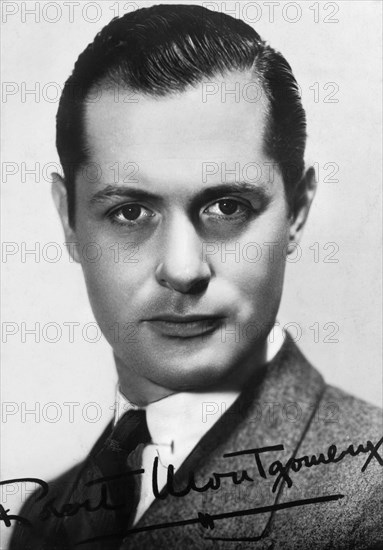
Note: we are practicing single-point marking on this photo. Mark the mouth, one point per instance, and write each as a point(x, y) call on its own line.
point(185, 326)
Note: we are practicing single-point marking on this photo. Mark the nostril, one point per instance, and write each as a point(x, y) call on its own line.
point(199, 286)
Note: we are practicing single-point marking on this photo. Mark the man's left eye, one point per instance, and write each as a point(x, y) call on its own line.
point(227, 208)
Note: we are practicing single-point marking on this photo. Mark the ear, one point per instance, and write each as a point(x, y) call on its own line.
point(304, 195)
point(59, 194)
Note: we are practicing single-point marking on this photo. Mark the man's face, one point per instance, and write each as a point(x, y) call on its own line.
point(184, 289)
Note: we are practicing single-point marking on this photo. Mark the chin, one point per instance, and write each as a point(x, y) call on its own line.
point(192, 376)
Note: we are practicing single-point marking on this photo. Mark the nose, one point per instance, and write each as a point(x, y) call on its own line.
point(181, 267)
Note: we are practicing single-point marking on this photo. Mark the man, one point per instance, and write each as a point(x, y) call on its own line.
point(150, 180)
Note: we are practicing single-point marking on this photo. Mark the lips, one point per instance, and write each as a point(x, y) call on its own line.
point(185, 326)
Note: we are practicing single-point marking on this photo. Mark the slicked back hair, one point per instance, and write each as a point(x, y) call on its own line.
point(165, 49)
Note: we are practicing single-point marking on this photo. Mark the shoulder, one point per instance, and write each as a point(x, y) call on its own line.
point(347, 413)
point(34, 532)
point(336, 460)
point(341, 453)
point(349, 423)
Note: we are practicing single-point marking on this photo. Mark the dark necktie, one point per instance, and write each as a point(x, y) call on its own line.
point(119, 458)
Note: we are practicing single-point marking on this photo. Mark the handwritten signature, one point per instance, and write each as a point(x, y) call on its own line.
point(281, 472)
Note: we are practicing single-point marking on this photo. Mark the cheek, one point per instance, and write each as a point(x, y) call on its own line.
point(273, 258)
point(257, 271)
point(261, 278)
point(113, 281)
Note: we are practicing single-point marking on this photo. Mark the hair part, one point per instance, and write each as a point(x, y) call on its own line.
point(165, 49)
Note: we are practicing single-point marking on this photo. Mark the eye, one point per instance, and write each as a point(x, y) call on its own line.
point(228, 209)
point(130, 214)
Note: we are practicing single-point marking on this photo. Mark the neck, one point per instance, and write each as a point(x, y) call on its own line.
point(138, 390)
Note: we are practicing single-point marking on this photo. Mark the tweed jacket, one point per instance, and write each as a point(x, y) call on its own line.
point(293, 464)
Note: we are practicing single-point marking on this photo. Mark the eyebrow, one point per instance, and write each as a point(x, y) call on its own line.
point(242, 187)
point(205, 195)
point(119, 191)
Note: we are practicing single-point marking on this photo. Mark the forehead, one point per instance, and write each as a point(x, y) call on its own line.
point(219, 121)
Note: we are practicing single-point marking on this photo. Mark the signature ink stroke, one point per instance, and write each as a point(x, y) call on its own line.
point(281, 472)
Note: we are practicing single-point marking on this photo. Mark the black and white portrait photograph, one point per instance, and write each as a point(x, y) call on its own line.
point(191, 250)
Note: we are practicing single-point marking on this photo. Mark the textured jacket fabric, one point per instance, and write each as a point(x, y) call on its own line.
point(315, 482)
